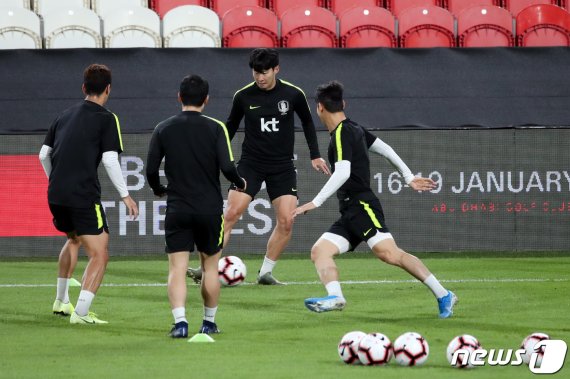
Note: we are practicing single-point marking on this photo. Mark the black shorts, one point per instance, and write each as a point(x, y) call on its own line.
point(90, 221)
point(184, 230)
point(279, 181)
point(359, 222)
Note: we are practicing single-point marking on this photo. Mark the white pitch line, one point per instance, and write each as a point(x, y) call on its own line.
point(499, 280)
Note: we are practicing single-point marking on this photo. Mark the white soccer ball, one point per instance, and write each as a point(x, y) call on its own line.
point(462, 342)
point(528, 346)
point(411, 349)
point(231, 271)
point(375, 349)
point(348, 347)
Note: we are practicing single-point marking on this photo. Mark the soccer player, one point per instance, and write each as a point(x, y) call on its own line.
point(268, 105)
point(77, 141)
point(362, 218)
point(195, 148)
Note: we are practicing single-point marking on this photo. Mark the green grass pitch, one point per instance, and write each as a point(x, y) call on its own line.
point(267, 332)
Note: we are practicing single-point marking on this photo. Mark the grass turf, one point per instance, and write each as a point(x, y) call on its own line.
point(266, 331)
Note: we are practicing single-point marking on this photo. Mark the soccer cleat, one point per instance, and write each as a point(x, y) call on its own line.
point(267, 279)
point(61, 308)
point(195, 274)
point(325, 304)
point(209, 328)
point(90, 318)
point(179, 330)
point(446, 304)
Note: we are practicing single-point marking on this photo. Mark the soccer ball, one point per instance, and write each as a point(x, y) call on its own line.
point(348, 347)
point(528, 346)
point(231, 271)
point(375, 349)
point(463, 342)
point(411, 349)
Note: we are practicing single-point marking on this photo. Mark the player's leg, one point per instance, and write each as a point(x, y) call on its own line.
point(177, 266)
point(93, 233)
point(279, 239)
point(210, 288)
point(66, 264)
point(282, 190)
point(322, 254)
point(237, 204)
point(209, 233)
point(385, 248)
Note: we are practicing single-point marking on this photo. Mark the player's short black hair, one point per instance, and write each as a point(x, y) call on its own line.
point(193, 90)
point(263, 59)
point(330, 96)
point(96, 78)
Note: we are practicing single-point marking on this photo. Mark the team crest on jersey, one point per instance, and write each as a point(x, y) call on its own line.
point(283, 107)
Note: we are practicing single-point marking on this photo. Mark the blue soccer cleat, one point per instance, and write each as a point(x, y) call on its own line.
point(325, 304)
point(209, 328)
point(179, 330)
point(446, 304)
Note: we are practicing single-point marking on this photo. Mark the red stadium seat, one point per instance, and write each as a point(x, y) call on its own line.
point(280, 6)
point(367, 27)
point(338, 7)
point(485, 26)
point(308, 27)
point(543, 25)
point(222, 6)
point(457, 6)
point(163, 6)
point(250, 27)
point(397, 6)
point(426, 27)
point(515, 6)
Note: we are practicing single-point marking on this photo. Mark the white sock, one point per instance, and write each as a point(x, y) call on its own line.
point(435, 286)
point(267, 266)
point(333, 289)
point(62, 290)
point(210, 313)
point(179, 315)
point(84, 302)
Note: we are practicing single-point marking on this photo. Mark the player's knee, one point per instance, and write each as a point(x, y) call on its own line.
point(232, 215)
point(285, 224)
point(390, 256)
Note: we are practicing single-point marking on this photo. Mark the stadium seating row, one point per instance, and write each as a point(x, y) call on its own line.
point(338, 7)
point(73, 24)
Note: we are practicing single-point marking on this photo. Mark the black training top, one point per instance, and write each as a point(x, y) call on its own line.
point(350, 142)
point(195, 148)
point(269, 122)
point(79, 137)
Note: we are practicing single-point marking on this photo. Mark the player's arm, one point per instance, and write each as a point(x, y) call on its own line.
point(153, 161)
point(112, 146)
point(226, 158)
point(376, 145)
point(342, 150)
point(45, 158)
point(47, 148)
point(234, 119)
point(304, 112)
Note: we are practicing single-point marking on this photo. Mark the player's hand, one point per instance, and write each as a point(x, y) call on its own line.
point(422, 184)
point(244, 186)
point(320, 165)
point(131, 206)
point(161, 192)
point(303, 209)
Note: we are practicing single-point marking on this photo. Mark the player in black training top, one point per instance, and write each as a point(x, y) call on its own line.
point(77, 141)
point(361, 218)
point(268, 105)
point(195, 148)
